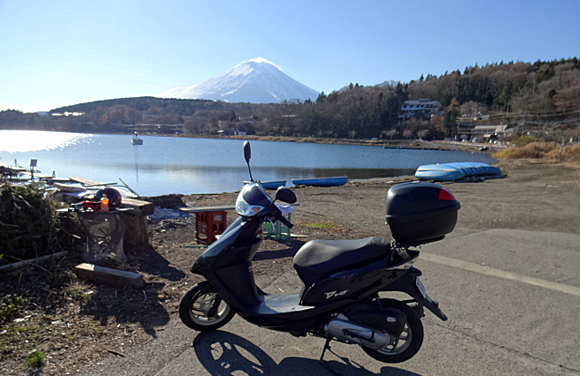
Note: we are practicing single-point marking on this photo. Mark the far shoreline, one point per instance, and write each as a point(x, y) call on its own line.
point(387, 144)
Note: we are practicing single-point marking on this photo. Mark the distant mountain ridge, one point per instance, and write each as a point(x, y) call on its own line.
point(253, 81)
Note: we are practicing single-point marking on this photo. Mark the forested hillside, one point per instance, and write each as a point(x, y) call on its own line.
point(544, 95)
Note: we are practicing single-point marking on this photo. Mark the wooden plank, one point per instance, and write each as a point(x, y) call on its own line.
point(88, 182)
point(201, 209)
point(58, 180)
point(64, 187)
point(109, 276)
point(43, 177)
point(141, 207)
point(84, 181)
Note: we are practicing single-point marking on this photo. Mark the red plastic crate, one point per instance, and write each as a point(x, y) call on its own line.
point(208, 224)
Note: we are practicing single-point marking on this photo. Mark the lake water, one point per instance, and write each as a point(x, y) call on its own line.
point(164, 165)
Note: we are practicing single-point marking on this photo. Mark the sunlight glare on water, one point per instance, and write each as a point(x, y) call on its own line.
point(13, 141)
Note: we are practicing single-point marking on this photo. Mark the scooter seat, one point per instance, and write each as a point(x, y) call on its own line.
point(322, 257)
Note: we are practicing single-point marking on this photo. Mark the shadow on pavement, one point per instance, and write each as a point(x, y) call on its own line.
point(223, 353)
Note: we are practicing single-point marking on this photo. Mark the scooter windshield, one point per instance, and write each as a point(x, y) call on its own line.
point(252, 200)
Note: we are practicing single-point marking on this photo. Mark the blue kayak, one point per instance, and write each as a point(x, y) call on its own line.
point(457, 170)
point(273, 184)
point(322, 182)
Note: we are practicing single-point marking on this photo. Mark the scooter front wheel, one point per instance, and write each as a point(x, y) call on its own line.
point(201, 308)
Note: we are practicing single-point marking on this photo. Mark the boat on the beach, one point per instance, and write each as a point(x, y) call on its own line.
point(273, 184)
point(11, 171)
point(322, 182)
point(136, 140)
point(456, 171)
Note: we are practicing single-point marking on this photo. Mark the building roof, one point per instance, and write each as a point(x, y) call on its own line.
point(421, 101)
point(491, 128)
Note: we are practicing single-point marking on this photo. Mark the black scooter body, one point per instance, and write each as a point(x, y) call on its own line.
point(227, 266)
point(342, 279)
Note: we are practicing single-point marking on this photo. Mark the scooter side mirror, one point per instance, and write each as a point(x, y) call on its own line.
point(248, 155)
point(285, 195)
point(247, 151)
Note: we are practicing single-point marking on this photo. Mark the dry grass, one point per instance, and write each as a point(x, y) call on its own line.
point(571, 153)
point(542, 150)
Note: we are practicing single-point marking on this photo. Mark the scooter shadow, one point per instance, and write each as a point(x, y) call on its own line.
point(222, 353)
point(292, 247)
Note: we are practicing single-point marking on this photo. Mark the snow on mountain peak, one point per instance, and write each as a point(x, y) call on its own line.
point(254, 81)
point(264, 61)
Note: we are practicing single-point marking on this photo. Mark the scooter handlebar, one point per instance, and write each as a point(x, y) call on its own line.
point(283, 219)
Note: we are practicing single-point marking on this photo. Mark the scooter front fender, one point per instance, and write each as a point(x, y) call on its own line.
point(411, 285)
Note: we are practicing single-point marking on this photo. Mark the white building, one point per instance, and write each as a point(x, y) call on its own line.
point(421, 109)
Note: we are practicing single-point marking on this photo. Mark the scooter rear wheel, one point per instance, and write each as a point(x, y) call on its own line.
point(201, 308)
point(408, 343)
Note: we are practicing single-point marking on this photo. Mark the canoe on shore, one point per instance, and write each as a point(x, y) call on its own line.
point(322, 182)
point(273, 184)
point(455, 171)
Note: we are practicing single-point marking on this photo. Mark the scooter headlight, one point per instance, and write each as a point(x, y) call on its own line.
point(246, 210)
point(252, 200)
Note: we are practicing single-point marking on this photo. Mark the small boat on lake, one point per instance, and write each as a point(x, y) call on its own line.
point(273, 184)
point(322, 182)
point(456, 171)
point(136, 140)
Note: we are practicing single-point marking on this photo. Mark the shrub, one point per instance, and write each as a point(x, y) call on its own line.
point(524, 140)
point(29, 223)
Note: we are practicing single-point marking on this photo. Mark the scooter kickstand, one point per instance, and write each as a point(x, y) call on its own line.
point(324, 364)
point(326, 346)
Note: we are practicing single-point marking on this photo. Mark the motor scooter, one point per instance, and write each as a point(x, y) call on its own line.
point(344, 281)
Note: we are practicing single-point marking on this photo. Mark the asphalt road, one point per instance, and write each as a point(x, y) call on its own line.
point(512, 298)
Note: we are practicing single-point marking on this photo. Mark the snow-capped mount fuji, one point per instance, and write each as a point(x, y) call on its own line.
point(253, 81)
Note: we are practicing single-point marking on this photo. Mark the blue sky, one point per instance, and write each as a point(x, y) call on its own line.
point(56, 53)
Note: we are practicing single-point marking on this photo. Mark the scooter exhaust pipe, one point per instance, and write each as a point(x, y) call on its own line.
point(347, 331)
